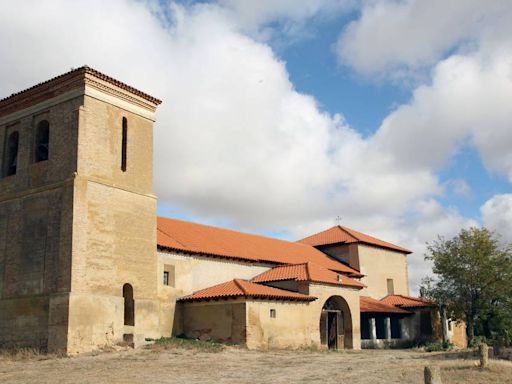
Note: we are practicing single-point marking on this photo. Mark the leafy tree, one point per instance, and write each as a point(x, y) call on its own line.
point(473, 281)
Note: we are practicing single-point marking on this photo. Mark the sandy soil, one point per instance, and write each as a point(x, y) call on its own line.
point(235, 365)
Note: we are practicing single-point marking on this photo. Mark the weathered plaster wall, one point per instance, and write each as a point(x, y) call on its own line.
point(291, 328)
point(223, 321)
point(378, 265)
point(458, 335)
point(350, 295)
point(193, 273)
point(297, 324)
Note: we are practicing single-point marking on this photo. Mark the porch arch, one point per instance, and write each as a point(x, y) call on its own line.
point(336, 324)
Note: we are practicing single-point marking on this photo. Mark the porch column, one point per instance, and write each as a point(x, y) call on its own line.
point(387, 323)
point(373, 329)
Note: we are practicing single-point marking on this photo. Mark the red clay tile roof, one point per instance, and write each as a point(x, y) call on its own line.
point(82, 71)
point(242, 288)
point(207, 240)
point(306, 272)
point(368, 304)
point(339, 234)
point(407, 301)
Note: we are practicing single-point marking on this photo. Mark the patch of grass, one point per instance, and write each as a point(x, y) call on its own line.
point(188, 344)
point(23, 354)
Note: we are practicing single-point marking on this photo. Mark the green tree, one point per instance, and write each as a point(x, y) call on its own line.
point(473, 281)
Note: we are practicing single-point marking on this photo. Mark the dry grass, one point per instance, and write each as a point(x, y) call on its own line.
point(187, 344)
point(24, 354)
point(165, 363)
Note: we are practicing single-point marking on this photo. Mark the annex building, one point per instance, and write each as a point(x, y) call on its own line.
point(85, 262)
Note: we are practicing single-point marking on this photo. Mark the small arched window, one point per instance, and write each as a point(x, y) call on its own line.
point(42, 141)
point(11, 154)
point(129, 305)
point(124, 143)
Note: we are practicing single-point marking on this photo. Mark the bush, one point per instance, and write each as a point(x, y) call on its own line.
point(438, 346)
point(477, 340)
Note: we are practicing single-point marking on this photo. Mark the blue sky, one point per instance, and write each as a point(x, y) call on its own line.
point(280, 116)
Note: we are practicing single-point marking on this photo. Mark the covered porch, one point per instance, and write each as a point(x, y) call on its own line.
point(383, 325)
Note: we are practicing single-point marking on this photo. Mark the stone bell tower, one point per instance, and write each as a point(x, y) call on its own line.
point(78, 264)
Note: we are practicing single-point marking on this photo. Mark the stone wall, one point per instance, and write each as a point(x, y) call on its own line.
point(114, 229)
point(35, 226)
point(76, 227)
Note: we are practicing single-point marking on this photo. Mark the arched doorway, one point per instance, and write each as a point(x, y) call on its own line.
point(129, 305)
point(336, 324)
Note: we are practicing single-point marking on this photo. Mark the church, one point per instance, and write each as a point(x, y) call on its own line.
point(85, 262)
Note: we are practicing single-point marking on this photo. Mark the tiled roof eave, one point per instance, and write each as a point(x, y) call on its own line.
point(374, 312)
point(238, 258)
point(85, 70)
point(249, 296)
point(415, 306)
point(216, 255)
point(400, 250)
point(331, 283)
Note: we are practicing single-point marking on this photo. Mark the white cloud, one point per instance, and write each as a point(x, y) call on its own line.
point(256, 17)
point(400, 36)
point(465, 103)
point(497, 215)
point(468, 101)
point(236, 141)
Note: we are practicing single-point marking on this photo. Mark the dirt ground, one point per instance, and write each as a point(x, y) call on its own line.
point(235, 365)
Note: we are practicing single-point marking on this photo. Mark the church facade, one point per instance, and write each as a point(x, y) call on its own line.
point(85, 262)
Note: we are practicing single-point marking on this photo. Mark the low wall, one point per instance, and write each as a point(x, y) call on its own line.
point(384, 344)
point(291, 326)
point(222, 321)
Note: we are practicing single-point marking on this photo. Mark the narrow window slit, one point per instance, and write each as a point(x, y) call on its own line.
point(11, 154)
point(42, 141)
point(124, 144)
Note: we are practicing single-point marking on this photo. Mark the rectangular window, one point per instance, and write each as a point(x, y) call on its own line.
point(391, 287)
point(169, 275)
point(273, 313)
point(124, 143)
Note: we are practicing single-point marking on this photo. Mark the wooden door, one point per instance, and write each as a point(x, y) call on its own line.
point(340, 321)
point(323, 328)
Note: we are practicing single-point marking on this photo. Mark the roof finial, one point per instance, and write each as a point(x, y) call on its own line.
point(338, 220)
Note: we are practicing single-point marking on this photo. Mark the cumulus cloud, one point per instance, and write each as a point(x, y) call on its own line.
point(467, 102)
point(236, 141)
point(497, 215)
point(400, 36)
point(256, 17)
